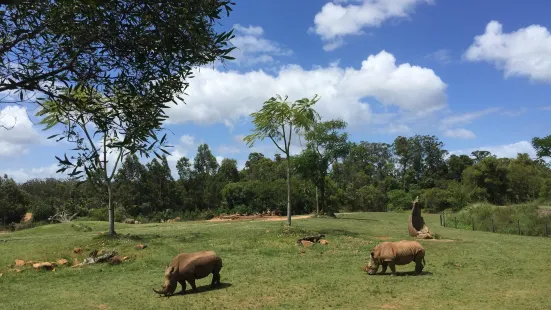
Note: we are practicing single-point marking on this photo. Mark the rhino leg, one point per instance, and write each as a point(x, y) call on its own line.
point(193, 287)
point(385, 265)
point(215, 279)
point(418, 265)
point(183, 284)
point(392, 266)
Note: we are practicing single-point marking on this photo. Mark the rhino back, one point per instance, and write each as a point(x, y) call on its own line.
point(205, 265)
point(407, 248)
point(190, 262)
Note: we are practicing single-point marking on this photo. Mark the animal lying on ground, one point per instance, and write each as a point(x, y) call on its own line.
point(396, 253)
point(189, 267)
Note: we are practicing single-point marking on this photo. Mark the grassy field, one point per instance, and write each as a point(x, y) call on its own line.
point(264, 269)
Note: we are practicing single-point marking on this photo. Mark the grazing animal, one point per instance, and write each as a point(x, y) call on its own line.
point(396, 253)
point(189, 267)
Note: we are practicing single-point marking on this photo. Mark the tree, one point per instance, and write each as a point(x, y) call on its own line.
point(325, 145)
point(85, 115)
point(278, 120)
point(542, 146)
point(457, 164)
point(228, 171)
point(160, 184)
point(183, 166)
point(205, 168)
point(480, 155)
point(146, 50)
point(131, 184)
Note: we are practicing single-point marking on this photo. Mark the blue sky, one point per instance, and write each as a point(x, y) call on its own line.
point(476, 74)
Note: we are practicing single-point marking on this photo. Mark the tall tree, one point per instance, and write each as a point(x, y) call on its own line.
point(130, 184)
point(85, 116)
point(228, 171)
point(160, 184)
point(143, 49)
point(480, 155)
point(325, 145)
point(542, 146)
point(277, 120)
point(205, 168)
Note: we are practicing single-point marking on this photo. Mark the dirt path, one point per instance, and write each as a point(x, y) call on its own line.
point(259, 218)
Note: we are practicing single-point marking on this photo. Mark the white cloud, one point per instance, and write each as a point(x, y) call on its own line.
point(219, 159)
point(460, 133)
point(221, 97)
point(239, 139)
point(226, 149)
point(394, 128)
point(252, 48)
point(187, 140)
point(516, 112)
point(23, 175)
point(16, 131)
point(335, 21)
point(506, 150)
point(442, 56)
point(524, 52)
point(466, 118)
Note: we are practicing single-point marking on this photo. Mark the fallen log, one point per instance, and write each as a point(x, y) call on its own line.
point(97, 259)
point(313, 239)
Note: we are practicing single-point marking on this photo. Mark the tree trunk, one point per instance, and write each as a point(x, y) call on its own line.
point(322, 197)
point(288, 190)
point(111, 211)
point(317, 202)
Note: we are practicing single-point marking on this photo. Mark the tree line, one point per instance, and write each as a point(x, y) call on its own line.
point(364, 176)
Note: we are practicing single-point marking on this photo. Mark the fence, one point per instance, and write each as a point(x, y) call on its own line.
point(491, 224)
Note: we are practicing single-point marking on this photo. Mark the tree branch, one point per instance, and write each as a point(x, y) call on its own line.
point(277, 145)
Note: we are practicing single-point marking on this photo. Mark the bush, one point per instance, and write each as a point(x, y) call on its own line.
point(435, 199)
point(371, 198)
point(399, 200)
point(42, 211)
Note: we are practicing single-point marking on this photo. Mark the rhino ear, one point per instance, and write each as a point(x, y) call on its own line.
point(372, 254)
point(172, 270)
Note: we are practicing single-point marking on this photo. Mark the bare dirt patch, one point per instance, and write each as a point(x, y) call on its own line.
point(383, 237)
point(388, 306)
point(256, 217)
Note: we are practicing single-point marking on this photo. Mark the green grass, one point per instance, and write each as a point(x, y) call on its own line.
point(264, 269)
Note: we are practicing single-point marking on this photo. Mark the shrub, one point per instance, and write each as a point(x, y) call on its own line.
point(371, 198)
point(399, 200)
point(435, 199)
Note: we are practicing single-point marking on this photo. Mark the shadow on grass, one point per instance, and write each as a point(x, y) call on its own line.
point(339, 232)
point(406, 273)
point(134, 237)
point(356, 219)
point(202, 289)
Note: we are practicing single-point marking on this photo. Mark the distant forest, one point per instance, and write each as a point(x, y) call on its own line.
point(368, 177)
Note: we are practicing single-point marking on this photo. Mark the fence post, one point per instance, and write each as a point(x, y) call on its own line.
point(518, 226)
point(493, 225)
point(440, 219)
point(472, 222)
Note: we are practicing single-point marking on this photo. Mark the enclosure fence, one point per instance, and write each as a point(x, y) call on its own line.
point(496, 225)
